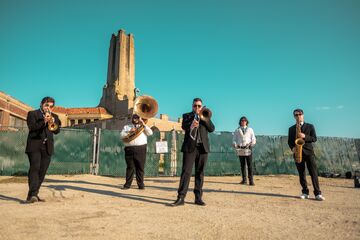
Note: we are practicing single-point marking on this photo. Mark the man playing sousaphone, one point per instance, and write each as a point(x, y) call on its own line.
point(243, 141)
point(305, 134)
point(134, 136)
point(135, 151)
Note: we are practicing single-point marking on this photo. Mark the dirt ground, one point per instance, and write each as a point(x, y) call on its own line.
point(94, 207)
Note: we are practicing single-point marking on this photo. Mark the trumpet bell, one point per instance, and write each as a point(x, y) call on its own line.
point(205, 114)
point(53, 127)
point(146, 107)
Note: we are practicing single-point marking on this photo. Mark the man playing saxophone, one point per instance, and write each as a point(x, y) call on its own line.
point(300, 139)
point(135, 151)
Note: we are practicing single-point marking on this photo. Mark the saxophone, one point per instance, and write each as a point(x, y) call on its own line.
point(299, 142)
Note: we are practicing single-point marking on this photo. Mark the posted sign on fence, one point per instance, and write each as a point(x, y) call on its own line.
point(161, 147)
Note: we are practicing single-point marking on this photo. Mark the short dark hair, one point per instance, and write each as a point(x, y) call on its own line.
point(244, 118)
point(197, 99)
point(298, 110)
point(47, 100)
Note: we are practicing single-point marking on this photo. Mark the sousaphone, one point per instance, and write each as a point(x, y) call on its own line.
point(145, 107)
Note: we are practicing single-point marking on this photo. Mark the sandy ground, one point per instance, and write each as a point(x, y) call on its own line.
point(94, 207)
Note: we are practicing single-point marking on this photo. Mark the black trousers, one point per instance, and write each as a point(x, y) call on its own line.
point(309, 160)
point(39, 163)
point(135, 157)
point(246, 160)
point(199, 156)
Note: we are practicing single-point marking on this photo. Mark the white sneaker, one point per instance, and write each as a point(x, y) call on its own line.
point(320, 197)
point(304, 196)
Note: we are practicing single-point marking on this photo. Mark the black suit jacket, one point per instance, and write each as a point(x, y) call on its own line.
point(204, 128)
point(38, 131)
point(310, 137)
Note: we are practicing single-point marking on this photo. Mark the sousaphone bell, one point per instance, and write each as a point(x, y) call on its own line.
point(145, 107)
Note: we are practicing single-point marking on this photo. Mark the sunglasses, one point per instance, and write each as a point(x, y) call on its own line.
point(198, 106)
point(298, 114)
point(48, 105)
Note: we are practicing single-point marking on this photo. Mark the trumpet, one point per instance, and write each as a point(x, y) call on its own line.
point(204, 115)
point(52, 126)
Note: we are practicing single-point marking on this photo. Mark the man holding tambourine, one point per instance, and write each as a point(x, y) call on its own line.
point(243, 141)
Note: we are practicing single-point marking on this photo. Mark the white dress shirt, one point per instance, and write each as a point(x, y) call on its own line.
point(140, 140)
point(243, 139)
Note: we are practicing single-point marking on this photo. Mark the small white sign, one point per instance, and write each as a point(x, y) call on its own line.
point(161, 147)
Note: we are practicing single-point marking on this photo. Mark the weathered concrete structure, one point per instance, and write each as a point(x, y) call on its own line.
point(119, 90)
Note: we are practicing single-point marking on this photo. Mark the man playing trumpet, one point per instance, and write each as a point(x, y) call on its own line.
point(305, 131)
point(135, 151)
point(195, 148)
point(42, 126)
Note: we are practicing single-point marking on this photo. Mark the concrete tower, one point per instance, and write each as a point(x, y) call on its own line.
point(119, 90)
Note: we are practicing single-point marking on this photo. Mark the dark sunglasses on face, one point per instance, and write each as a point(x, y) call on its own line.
point(297, 114)
point(198, 106)
point(48, 105)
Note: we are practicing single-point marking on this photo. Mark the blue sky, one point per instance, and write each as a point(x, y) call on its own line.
point(260, 59)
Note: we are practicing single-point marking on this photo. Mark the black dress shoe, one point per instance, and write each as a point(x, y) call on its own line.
point(125, 188)
point(40, 199)
point(32, 199)
point(142, 188)
point(243, 182)
point(252, 183)
point(179, 201)
point(200, 202)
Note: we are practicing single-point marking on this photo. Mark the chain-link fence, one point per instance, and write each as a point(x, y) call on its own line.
point(357, 145)
point(73, 152)
point(76, 151)
point(112, 155)
point(271, 155)
point(13, 160)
